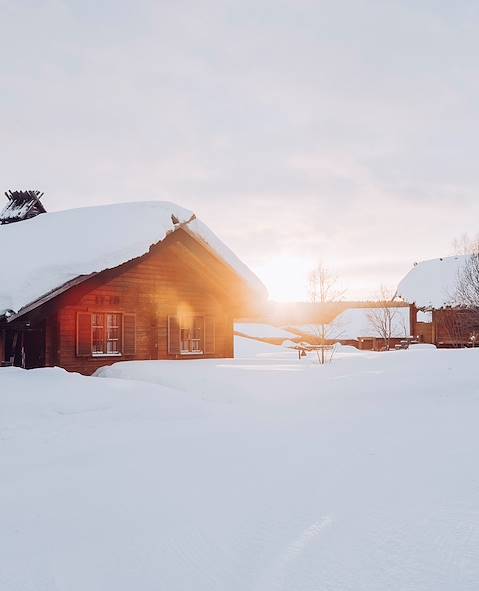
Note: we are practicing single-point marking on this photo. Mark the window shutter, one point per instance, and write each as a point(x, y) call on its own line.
point(129, 334)
point(83, 334)
point(209, 335)
point(173, 335)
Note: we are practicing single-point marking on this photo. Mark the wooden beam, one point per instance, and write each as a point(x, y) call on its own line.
point(412, 320)
point(2, 345)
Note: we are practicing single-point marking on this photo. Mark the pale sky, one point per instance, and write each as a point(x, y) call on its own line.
point(299, 131)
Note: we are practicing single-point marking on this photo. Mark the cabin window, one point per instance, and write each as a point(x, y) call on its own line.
point(112, 337)
point(191, 335)
point(106, 332)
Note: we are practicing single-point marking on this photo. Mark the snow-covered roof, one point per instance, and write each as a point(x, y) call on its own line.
point(42, 254)
point(432, 284)
point(356, 322)
point(257, 330)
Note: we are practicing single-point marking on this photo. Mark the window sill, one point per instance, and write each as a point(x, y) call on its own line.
point(106, 354)
point(191, 352)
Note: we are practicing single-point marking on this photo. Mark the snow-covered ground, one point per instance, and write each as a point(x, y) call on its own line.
point(246, 348)
point(260, 473)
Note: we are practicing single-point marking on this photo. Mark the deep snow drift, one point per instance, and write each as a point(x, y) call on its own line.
point(255, 474)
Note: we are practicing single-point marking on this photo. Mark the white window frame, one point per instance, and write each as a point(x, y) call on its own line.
point(187, 323)
point(105, 338)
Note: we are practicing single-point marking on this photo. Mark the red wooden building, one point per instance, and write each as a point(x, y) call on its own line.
point(430, 288)
point(93, 286)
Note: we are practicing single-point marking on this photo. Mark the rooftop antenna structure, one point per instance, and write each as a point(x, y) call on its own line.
point(22, 205)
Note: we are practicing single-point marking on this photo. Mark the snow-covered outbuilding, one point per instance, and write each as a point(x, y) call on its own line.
point(364, 327)
point(371, 326)
point(148, 280)
point(430, 287)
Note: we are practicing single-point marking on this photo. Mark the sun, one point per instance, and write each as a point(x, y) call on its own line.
point(286, 277)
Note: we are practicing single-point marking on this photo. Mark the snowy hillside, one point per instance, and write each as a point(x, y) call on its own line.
point(257, 474)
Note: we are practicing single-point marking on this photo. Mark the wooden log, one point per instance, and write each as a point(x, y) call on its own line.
point(2, 345)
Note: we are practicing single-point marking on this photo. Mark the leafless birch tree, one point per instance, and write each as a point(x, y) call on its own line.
point(383, 316)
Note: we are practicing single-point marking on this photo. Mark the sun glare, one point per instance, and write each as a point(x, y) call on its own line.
point(286, 278)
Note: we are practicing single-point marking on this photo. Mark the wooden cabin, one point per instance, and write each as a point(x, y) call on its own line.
point(121, 282)
point(430, 287)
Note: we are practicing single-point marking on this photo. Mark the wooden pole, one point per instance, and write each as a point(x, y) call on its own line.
point(2, 345)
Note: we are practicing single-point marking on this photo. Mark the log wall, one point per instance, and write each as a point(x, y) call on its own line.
point(161, 284)
point(455, 327)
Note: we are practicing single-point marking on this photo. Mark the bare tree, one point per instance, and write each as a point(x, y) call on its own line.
point(323, 289)
point(465, 245)
point(382, 317)
point(467, 294)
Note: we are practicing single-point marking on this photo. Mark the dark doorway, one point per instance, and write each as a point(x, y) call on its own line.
point(34, 347)
point(25, 346)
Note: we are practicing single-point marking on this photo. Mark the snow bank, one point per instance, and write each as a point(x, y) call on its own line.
point(246, 348)
point(422, 347)
point(241, 475)
point(258, 330)
point(346, 350)
point(432, 284)
point(54, 248)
